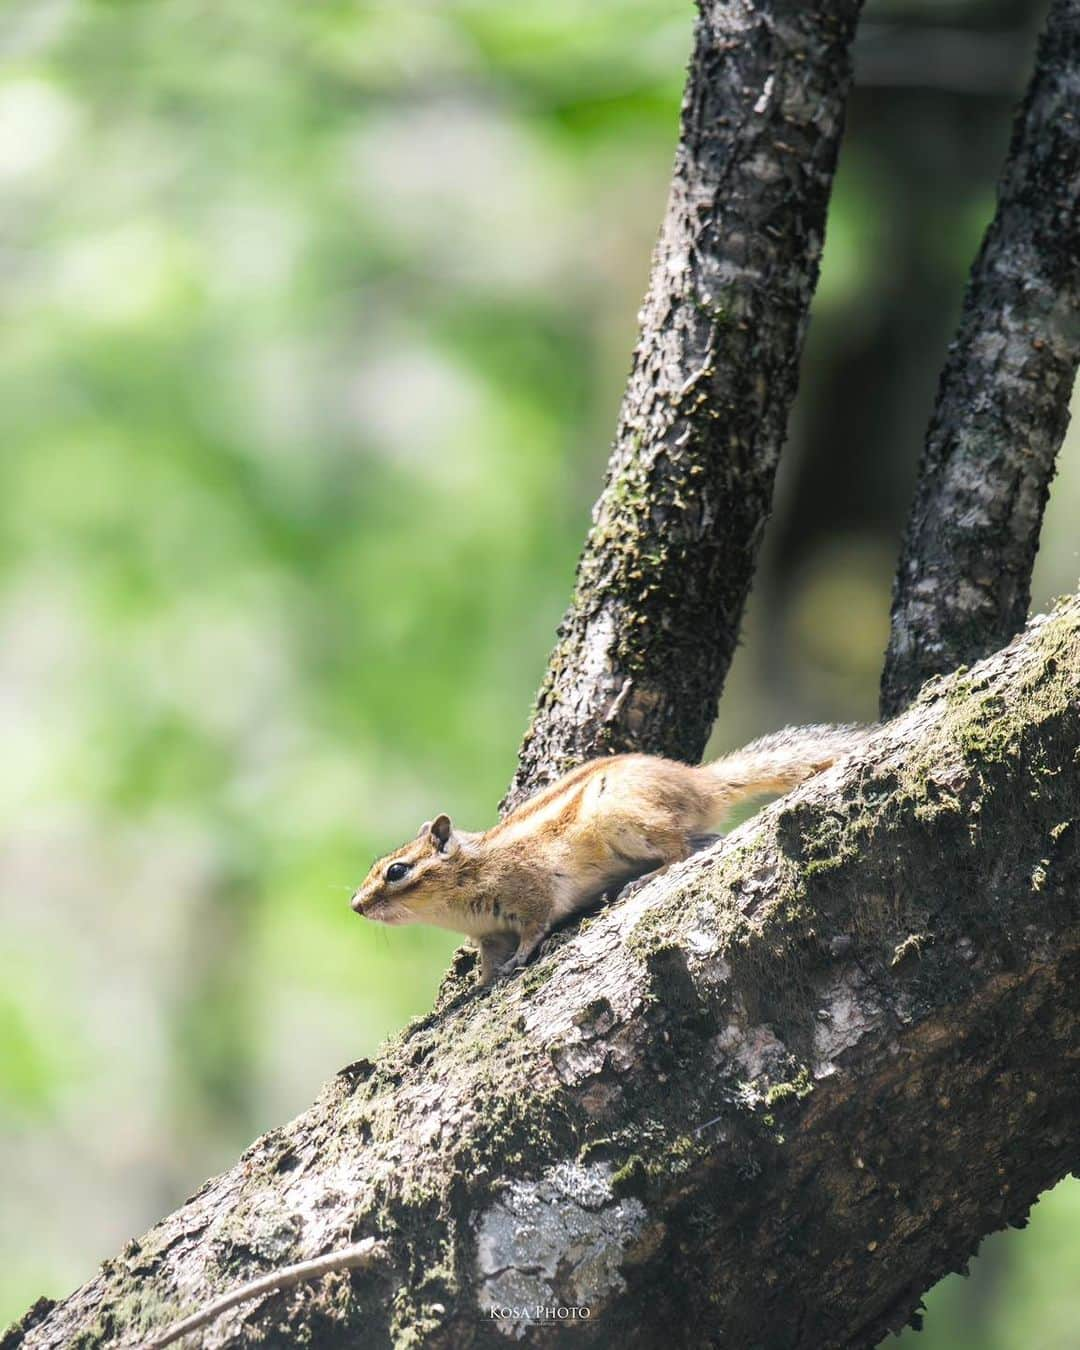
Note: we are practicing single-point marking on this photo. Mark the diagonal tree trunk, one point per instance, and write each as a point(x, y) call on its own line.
point(645, 646)
point(764, 1102)
point(963, 585)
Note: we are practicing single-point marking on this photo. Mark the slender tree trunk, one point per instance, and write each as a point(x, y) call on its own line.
point(964, 582)
point(765, 1102)
point(644, 649)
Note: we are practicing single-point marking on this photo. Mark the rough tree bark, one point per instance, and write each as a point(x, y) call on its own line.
point(764, 1102)
point(643, 651)
point(963, 584)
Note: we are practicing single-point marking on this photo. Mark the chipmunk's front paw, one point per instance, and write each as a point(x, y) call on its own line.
point(526, 950)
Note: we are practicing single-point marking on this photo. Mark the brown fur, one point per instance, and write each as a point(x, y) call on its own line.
point(603, 824)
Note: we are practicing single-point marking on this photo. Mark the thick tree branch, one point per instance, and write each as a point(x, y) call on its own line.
point(964, 581)
point(765, 1101)
point(644, 649)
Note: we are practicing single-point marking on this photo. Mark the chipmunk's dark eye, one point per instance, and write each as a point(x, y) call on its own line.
point(398, 870)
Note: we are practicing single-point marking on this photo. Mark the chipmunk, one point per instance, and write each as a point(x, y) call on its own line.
point(605, 823)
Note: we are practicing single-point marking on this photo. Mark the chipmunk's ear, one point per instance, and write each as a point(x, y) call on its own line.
point(424, 829)
point(442, 834)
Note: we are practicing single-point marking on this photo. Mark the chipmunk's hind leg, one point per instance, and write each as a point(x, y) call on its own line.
point(667, 848)
point(669, 843)
point(700, 842)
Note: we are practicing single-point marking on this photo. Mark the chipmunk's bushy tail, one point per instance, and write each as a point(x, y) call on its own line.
point(778, 762)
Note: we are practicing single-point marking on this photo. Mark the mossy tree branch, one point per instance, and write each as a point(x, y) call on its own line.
point(817, 1063)
point(644, 648)
point(963, 584)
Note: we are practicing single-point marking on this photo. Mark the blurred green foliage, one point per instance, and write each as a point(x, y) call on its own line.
point(315, 322)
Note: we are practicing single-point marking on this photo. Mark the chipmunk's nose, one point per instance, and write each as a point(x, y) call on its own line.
point(357, 903)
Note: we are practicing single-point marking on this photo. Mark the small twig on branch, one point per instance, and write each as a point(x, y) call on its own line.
point(963, 585)
point(667, 567)
point(355, 1257)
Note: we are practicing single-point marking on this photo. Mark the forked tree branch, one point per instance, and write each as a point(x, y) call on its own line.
point(766, 1101)
point(645, 646)
point(963, 584)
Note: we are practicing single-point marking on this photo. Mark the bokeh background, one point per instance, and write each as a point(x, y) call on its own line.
point(315, 322)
